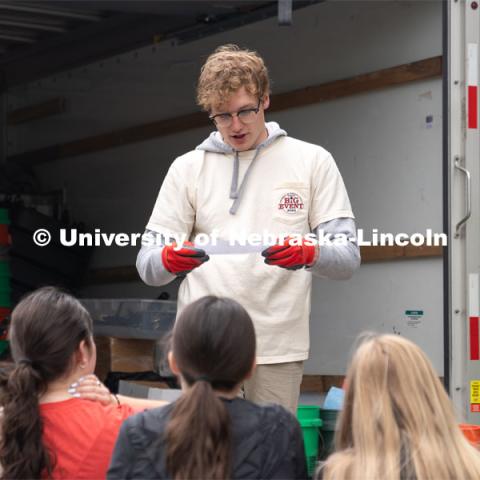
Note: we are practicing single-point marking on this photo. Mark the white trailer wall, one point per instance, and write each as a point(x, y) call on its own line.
point(388, 153)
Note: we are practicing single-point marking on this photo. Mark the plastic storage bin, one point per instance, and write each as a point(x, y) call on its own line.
point(472, 433)
point(131, 317)
point(310, 422)
point(329, 419)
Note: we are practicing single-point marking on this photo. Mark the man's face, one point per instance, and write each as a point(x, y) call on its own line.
point(243, 136)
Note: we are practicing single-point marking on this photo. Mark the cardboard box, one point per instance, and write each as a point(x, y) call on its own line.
point(103, 357)
point(131, 355)
point(123, 355)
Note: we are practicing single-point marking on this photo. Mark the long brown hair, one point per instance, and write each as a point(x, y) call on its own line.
point(397, 421)
point(46, 329)
point(213, 344)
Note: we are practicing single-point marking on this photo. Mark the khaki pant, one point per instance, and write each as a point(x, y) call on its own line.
point(276, 383)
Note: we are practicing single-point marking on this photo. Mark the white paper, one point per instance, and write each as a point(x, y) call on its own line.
point(222, 247)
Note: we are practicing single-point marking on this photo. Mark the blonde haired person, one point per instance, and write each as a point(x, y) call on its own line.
point(397, 422)
point(249, 178)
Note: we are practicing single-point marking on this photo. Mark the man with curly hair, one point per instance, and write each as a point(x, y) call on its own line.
point(250, 178)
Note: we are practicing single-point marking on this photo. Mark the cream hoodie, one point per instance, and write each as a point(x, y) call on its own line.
point(285, 186)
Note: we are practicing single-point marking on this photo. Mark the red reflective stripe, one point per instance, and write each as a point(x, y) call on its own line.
point(474, 338)
point(472, 107)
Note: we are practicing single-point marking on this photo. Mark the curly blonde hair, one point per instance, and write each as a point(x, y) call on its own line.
point(228, 69)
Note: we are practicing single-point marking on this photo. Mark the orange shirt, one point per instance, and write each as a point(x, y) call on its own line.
point(81, 434)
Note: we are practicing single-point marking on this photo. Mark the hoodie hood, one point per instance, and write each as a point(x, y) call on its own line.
point(215, 144)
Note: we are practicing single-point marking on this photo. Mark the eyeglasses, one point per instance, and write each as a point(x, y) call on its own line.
point(245, 116)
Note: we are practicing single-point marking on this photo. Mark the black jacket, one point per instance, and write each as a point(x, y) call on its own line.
point(267, 444)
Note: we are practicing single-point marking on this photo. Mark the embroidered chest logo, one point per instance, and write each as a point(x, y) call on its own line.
point(291, 203)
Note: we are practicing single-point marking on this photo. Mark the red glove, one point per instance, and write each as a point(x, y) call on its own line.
point(301, 253)
point(184, 260)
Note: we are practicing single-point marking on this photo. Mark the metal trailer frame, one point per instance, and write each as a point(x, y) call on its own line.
point(462, 155)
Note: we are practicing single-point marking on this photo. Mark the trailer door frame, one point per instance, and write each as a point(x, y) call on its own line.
point(463, 197)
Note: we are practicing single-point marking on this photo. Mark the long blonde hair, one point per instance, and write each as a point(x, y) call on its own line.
point(398, 422)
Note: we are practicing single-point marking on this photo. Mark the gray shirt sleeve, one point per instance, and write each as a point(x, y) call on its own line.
point(149, 261)
point(338, 260)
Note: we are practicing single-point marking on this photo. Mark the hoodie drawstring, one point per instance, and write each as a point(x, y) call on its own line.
point(234, 185)
point(235, 192)
point(215, 144)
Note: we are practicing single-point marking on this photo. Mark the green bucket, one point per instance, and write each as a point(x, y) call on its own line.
point(4, 280)
point(309, 418)
point(4, 346)
point(329, 420)
point(4, 218)
point(4, 269)
point(5, 298)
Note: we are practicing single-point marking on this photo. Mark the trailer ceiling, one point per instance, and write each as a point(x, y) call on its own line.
point(40, 38)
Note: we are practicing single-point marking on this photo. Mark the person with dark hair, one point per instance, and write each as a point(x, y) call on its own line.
point(210, 432)
point(46, 430)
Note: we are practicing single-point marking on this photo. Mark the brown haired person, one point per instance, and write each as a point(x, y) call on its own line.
point(46, 431)
point(209, 432)
point(249, 177)
point(397, 422)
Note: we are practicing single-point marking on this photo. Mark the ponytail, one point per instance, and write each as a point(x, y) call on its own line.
point(197, 436)
point(213, 344)
point(46, 328)
point(22, 452)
